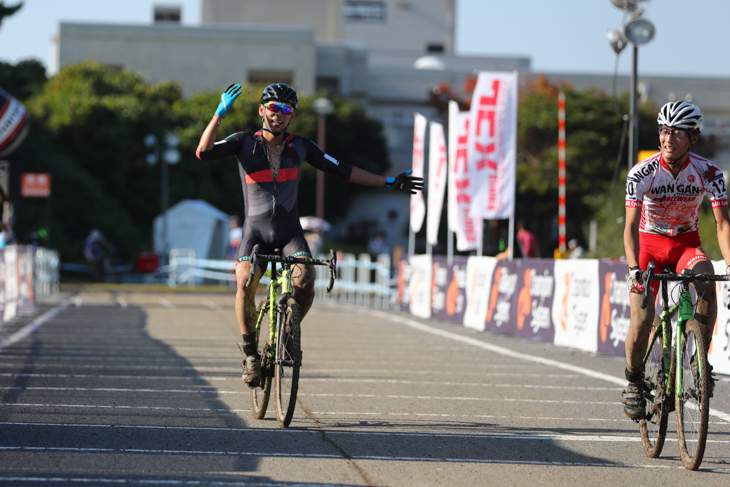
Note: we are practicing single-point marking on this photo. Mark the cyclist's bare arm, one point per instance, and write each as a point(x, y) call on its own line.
point(209, 134)
point(631, 236)
point(723, 231)
point(366, 178)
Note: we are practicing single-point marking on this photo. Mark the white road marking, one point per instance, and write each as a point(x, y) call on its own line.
point(167, 304)
point(523, 356)
point(121, 302)
point(30, 328)
point(212, 305)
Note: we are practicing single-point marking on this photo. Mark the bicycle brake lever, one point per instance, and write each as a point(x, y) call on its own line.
point(647, 278)
point(333, 270)
point(252, 268)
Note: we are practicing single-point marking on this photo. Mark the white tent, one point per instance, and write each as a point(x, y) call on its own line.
point(197, 225)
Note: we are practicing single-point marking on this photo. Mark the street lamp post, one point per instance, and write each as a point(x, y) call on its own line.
point(638, 31)
point(170, 155)
point(322, 107)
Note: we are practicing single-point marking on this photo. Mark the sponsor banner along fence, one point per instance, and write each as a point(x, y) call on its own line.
point(582, 304)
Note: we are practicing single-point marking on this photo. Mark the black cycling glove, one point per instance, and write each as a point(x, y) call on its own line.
point(405, 183)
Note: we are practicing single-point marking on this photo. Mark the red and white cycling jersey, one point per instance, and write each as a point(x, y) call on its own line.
point(671, 206)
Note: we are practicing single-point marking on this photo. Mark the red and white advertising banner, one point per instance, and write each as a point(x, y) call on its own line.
point(418, 206)
point(437, 167)
point(719, 354)
point(492, 145)
point(479, 271)
point(420, 285)
point(467, 229)
point(576, 304)
point(14, 123)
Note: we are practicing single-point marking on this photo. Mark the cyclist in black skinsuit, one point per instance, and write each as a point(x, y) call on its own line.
point(269, 162)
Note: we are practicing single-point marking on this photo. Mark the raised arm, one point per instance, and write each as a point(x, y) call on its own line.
point(211, 131)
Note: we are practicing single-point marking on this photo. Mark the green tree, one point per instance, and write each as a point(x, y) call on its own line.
point(24, 79)
point(8, 11)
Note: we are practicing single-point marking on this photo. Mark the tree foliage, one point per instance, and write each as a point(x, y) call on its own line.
point(88, 128)
point(6, 11)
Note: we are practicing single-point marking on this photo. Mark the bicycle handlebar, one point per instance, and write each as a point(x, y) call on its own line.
point(331, 263)
point(689, 277)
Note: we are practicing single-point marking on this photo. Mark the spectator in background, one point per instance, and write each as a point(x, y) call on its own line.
point(378, 244)
point(574, 249)
point(315, 241)
point(235, 235)
point(527, 241)
point(96, 251)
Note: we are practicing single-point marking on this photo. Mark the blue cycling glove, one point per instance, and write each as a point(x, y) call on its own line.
point(227, 99)
point(405, 183)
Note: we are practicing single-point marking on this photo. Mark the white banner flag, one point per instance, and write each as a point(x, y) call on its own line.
point(468, 230)
point(436, 180)
point(492, 149)
point(418, 206)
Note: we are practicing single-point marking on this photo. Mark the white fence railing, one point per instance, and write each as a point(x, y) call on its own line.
point(359, 280)
point(47, 272)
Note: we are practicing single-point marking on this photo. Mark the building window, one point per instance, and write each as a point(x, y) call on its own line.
point(167, 14)
point(437, 48)
point(364, 11)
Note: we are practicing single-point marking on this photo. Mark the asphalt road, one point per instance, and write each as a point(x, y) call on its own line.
point(144, 389)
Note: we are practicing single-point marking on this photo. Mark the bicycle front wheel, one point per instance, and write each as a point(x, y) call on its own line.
point(654, 425)
point(693, 403)
point(288, 361)
point(260, 395)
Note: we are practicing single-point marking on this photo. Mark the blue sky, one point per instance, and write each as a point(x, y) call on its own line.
point(692, 38)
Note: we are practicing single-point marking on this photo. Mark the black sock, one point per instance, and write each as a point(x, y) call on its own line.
point(249, 344)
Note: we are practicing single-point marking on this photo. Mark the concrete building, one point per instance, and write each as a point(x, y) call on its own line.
point(387, 55)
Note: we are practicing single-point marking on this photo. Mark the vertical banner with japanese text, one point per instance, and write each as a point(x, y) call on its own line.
point(418, 206)
point(467, 229)
point(492, 145)
point(436, 180)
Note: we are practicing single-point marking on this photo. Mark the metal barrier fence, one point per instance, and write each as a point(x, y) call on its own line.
point(359, 280)
point(47, 272)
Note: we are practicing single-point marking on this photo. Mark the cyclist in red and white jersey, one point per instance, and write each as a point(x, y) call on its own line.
point(663, 197)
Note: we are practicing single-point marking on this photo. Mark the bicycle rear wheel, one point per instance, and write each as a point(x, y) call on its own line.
point(260, 395)
point(288, 361)
point(654, 425)
point(693, 403)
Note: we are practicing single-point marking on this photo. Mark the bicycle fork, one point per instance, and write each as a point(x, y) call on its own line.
point(685, 313)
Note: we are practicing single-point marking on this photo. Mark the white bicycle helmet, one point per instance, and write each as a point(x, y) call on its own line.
point(681, 115)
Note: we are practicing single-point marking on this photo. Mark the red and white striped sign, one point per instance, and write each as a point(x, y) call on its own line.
point(468, 230)
point(13, 123)
point(561, 173)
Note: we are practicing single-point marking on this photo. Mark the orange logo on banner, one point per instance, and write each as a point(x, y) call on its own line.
point(452, 295)
point(495, 293)
point(434, 268)
point(605, 320)
point(524, 301)
point(35, 185)
point(564, 312)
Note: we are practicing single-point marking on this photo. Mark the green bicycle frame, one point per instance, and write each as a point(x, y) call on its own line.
point(283, 282)
point(684, 306)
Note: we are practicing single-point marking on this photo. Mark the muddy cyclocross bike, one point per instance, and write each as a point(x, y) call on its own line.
point(676, 371)
point(278, 334)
